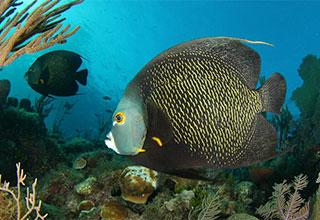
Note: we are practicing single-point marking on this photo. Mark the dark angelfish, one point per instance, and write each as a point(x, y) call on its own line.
point(56, 73)
point(196, 106)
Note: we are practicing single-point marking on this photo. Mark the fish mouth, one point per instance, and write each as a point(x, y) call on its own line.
point(30, 80)
point(110, 143)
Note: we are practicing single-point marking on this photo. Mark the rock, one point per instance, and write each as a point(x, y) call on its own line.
point(137, 183)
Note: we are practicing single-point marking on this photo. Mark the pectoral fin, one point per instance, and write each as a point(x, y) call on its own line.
point(159, 125)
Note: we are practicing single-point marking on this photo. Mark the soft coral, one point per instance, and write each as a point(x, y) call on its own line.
point(286, 205)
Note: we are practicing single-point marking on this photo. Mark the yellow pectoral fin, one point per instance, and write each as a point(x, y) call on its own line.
point(140, 150)
point(41, 81)
point(159, 142)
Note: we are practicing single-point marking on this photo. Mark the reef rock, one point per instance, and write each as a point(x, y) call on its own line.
point(137, 183)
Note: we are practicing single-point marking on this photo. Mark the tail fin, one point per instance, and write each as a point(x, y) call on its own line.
point(82, 76)
point(273, 93)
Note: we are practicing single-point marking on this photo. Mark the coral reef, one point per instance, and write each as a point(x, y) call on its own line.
point(25, 104)
point(137, 183)
point(98, 182)
point(182, 199)
point(80, 179)
point(87, 187)
point(157, 208)
point(85, 206)
point(113, 210)
point(23, 138)
point(79, 163)
point(76, 146)
point(245, 192)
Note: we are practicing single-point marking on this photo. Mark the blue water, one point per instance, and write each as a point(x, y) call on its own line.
point(120, 37)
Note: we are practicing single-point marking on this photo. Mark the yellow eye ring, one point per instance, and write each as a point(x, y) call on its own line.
point(120, 118)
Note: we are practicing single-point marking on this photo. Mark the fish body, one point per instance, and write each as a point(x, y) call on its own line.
point(55, 73)
point(196, 106)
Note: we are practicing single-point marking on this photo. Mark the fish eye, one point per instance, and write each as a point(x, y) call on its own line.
point(120, 118)
point(32, 69)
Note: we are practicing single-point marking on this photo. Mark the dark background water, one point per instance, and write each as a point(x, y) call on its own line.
point(119, 37)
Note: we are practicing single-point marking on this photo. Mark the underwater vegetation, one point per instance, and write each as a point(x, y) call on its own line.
point(294, 208)
point(307, 99)
point(44, 23)
point(302, 133)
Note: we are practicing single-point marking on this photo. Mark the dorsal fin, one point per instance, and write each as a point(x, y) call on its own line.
point(231, 51)
point(198, 57)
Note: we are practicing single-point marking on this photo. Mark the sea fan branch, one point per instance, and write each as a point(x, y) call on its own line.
point(294, 208)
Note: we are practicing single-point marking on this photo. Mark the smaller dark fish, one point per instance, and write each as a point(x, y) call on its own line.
point(106, 98)
point(4, 91)
point(55, 73)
